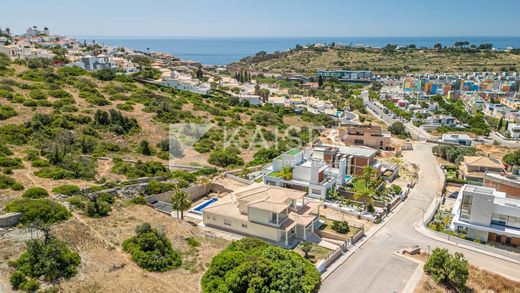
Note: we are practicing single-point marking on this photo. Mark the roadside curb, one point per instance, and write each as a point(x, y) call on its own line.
point(424, 231)
point(417, 274)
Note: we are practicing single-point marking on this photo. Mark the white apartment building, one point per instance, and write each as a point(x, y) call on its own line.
point(486, 214)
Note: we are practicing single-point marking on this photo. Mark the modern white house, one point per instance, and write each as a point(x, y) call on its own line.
point(514, 130)
point(184, 82)
point(296, 169)
point(91, 63)
point(486, 214)
point(457, 138)
point(280, 215)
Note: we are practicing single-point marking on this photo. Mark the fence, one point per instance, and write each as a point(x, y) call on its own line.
point(326, 262)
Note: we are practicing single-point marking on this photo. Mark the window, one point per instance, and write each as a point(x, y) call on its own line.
point(208, 217)
point(273, 218)
point(227, 222)
point(244, 226)
point(497, 219)
point(316, 191)
point(465, 209)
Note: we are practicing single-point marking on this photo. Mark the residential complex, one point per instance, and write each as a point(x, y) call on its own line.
point(319, 169)
point(280, 215)
point(346, 75)
point(487, 215)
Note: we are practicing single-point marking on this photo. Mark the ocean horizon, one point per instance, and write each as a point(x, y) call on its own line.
point(225, 50)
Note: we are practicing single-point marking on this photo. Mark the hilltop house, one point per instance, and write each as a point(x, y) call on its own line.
point(280, 215)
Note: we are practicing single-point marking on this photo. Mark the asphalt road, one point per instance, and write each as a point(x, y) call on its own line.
point(375, 268)
point(416, 132)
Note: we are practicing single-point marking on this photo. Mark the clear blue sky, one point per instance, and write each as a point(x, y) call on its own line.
point(266, 17)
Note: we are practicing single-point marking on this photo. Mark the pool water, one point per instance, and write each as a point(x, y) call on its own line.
point(347, 178)
point(200, 207)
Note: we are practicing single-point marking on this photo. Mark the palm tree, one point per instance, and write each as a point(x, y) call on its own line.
point(363, 193)
point(181, 202)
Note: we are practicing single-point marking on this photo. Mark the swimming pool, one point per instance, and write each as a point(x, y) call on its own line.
point(198, 209)
point(347, 178)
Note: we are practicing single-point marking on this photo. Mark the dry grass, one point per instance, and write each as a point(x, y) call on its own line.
point(308, 61)
point(479, 281)
point(106, 268)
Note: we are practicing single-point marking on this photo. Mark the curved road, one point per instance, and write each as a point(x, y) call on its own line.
point(375, 268)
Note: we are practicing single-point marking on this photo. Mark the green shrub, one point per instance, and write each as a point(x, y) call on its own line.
point(66, 189)
point(37, 94)
point(139, 200)
point(40, 163)
point(152, 250)
point(48, 259)
point(99, 206)
point(30, 285)
point(7, 112)
point(10, 162)
point(77, 201)
point(225, 158)
point(17, 186)
point(35, 192)
point(192, 242)
point(5, 151)
point(450, 270)
point(43, 210)
point(55, 173)
point(340, 227)
point(8, 182)
point(156, 187)
point(252, 265)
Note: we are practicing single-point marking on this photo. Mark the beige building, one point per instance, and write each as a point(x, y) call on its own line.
point(473, 168)
point(276, 214)
point(367, 135)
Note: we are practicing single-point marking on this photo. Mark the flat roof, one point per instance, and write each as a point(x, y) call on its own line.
point(355, 151)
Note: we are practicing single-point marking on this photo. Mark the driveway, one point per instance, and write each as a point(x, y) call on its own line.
point(374, 267)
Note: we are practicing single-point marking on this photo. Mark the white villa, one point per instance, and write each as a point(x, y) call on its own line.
point(279, 215)
point(486, 214)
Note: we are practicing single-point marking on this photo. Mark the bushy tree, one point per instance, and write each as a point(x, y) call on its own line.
point(397, 128)
point(144, 148)
point(340, 227)
point(450, 270)
point(512, 158)
point(225, 157)
point(42, 210)
point(49, 259)
point(152, 250)
point(99, 206)
point(252, 265)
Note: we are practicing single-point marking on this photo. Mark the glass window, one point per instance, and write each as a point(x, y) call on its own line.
point(244, 226)
point(465, 209)
point(227, 222)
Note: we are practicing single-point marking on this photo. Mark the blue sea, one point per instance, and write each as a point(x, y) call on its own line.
point(219, 51)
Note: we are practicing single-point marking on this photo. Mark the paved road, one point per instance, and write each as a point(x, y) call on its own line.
point(417, 133)
point(374, 267)
point(503, 142)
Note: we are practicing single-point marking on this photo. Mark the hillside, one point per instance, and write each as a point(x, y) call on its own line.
point(62, 129)
point(381, 61)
